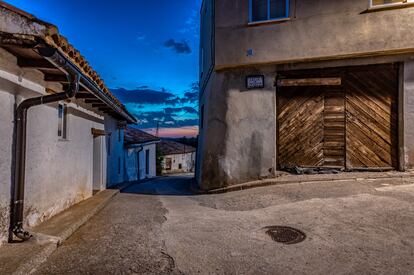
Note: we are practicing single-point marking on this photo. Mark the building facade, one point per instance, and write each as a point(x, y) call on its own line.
point(176, 157)
point(114, 138)
point(140, 155)
point(304, 83)
point(56, 156)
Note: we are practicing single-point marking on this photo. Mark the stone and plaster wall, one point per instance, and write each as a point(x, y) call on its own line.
point(408, 109)
point(187, 162)
point(316, 30)
point(206, 62)
point(58, 172)
point(115, 152)
point(238, 141)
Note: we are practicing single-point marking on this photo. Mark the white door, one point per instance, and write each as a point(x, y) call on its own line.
point(99, 163)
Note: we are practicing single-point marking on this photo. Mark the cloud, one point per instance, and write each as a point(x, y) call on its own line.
point(143, 95)
point(192, 24)
point(179, 47)
point(192, 95)
point(185, 109)
point(190, 110)
point(161, 107)
point(170, 117)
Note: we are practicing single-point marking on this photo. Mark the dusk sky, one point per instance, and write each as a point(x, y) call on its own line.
point(146, 52)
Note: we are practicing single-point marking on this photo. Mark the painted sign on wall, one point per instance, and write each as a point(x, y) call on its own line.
point(254, 81)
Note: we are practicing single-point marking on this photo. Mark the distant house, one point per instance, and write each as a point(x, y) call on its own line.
point(140, 154)
point(55, 113)
point(177, 157)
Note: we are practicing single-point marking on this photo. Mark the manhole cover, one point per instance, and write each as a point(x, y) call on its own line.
point(285, 234)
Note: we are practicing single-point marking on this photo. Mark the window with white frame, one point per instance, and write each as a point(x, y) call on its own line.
point(385, 3)
point(265, 10)
point(62, 121)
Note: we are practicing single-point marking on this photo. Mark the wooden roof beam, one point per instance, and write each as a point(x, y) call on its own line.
point(85, 95)
point(56, 78)
point(89, 101)
point(98, 105)
point(34, 63)
point(81, 88)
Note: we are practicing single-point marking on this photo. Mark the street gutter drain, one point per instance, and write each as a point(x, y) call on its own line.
point(285, 234)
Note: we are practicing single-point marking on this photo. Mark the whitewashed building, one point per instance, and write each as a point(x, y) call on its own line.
point(177, 157)
point(140, 155)
point(53, 134)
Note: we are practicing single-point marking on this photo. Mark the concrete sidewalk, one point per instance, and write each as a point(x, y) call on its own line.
point(24, 258)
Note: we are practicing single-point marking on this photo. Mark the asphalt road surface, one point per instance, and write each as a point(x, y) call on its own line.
point(161, 227)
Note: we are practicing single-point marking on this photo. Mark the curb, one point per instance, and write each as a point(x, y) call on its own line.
point(281, 181)
point(69, 231)
point(123, 186)
point(31, 266)
point(39, 258)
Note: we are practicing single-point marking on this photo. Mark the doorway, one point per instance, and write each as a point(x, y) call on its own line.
point(99, 163)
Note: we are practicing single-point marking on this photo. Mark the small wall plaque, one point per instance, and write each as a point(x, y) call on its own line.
point(255, 82)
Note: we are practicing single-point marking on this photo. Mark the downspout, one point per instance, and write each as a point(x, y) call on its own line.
point(17, 203)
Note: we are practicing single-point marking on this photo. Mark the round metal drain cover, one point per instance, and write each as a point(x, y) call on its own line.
point(285, 234)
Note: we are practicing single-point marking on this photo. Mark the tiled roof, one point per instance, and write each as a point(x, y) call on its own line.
point(169, 147)
point(135, 136)
point(32, 29)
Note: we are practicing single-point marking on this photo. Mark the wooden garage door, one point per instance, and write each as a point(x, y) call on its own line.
point(311, 127)
point(300, 121)
point(371, 118)
point(351, 124)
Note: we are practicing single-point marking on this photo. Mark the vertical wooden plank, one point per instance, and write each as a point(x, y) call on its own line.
point(334, 127)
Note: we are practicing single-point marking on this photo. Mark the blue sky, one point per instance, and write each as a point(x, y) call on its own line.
point(138, 47)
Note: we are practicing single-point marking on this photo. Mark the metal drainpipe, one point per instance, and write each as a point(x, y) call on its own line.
point(17, 203)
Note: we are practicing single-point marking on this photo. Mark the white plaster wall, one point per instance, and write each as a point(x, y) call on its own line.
point(115, 152)
point(135, 164)
point(58, 172)
point(131, 164)
point(186, 160)
point(152, 161)
point(6, 131)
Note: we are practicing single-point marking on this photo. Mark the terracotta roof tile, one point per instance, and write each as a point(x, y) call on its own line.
point(169, 147)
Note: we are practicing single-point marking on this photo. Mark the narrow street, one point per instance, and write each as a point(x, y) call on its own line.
point(160, 227)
